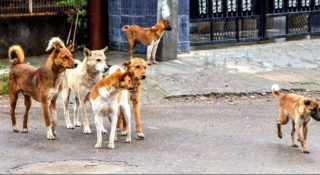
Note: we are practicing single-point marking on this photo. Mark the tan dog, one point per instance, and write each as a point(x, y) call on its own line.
point(80, 81)
point(42, 84)
point(299, 109)
point(137, 67)
point(148, 36)
point(105, 99)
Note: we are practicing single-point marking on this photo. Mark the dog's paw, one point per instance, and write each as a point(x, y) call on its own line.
point(50, 135)
point(70, 126)
point(140, 135)
point(77, 124)
point(111, 145)
point(306, 151)
point(25, 130)
point(124, 133)
point(104, 131)
point(294, 145)
point(280, 135)
point(15, 129)
point(128, 140)
point(155, 62)
point(86, 131)
point(118, 129)
point(98, 146)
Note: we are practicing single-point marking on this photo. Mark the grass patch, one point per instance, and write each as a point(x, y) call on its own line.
point(2, 66)
point(4, 84)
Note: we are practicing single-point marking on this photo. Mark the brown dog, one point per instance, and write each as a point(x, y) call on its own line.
point(299, 109)
point(147, 36)
point(42, 84)
point(137, 67)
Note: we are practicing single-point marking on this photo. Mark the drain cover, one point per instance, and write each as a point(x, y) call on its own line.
point(71, 167)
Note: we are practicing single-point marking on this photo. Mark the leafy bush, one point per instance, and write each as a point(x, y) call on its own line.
point(4, 84)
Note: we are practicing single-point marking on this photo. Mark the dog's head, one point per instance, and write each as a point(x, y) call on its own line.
point(65, 58)
point(165, 24)
point(125, 80)
point(137, 67)
point(312, 108)
point(96, 59)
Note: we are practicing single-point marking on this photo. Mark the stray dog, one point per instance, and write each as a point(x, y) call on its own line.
point(105, 99)
point(80, 81)
point(42, 84)
point(148, 36)
point(299, 109)
point(137, 67)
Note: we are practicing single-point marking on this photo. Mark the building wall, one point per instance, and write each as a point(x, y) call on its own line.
point(32, 33)
point(143, 13)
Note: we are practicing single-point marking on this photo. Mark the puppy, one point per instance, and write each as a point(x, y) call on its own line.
point(137, 67)
point(42, 84)
point(105, 101)
point(148, 36)
point(80, 81)
point(300, 109)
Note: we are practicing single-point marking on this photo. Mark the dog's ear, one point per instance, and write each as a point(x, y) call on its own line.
point(71, 47)
point(126, 63)
point(307, 102)
point(105, 49)
point(86, 52)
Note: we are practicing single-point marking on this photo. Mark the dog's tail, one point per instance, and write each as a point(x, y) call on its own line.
point(276, 91)
point(16, 55)
point(55, 43)
point(125, 28)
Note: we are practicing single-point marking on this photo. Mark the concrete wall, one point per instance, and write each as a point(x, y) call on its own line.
point(32, 33)
point(184, 26)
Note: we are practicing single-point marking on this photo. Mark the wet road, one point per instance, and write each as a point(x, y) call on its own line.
point(219, 136)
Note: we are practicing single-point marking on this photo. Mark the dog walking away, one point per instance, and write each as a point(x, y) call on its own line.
point(80, 81)
point(105, 101)
point(137, 67)
point(42, 84)
point(300, 110)
point(148, 36)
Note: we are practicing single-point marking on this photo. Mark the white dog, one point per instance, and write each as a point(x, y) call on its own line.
point(106, 97)
point(80, 81)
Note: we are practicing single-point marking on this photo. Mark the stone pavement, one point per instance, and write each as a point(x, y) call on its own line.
point(235, 70)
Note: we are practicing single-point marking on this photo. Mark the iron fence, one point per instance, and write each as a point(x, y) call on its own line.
point(222, 21)
point(10, 8)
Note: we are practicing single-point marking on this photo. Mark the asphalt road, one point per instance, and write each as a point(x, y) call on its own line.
point(208, 136)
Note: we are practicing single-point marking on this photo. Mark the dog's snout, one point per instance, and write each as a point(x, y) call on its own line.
point(143, 77)
point(75, 65)
point(169, 28)
point(106, 69)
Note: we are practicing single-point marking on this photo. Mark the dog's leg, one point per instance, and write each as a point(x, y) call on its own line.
point(103, 130)
point(45, 108)
point(113, 136)
point(127, 114)
point(131, 45)
point(76, 120)
point(54, 115)
point(27, 103)
point(282, 120)
point(305, 130)
point(13, 102)
point(97, 120)
point(149, 52)
point(136, 112)
point(83, 110)
point(154, 51)
point(299, 128)
point(120, 122)
point(65, 98)
point(293, 132)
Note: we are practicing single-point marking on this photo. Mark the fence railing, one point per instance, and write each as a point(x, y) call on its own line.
point(222, 21)
point(10, 8)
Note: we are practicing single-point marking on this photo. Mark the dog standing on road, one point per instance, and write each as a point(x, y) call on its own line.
point(42, 84)
point(148, 36)
point(80, 81)
point(300, 109)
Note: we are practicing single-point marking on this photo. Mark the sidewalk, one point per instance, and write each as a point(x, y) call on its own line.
point(240, 69)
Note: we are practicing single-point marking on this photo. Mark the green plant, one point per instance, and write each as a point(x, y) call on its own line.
point(4, 84)
point(2, 66)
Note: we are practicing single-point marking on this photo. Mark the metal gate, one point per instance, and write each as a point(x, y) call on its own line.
point(224, 21)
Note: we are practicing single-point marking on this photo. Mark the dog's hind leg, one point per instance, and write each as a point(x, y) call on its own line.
point(282, 120)
point(27, 103)
point(127, 115)
point(13, 97)
point(76, 120)
point(65, 98)
point(293, 132)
